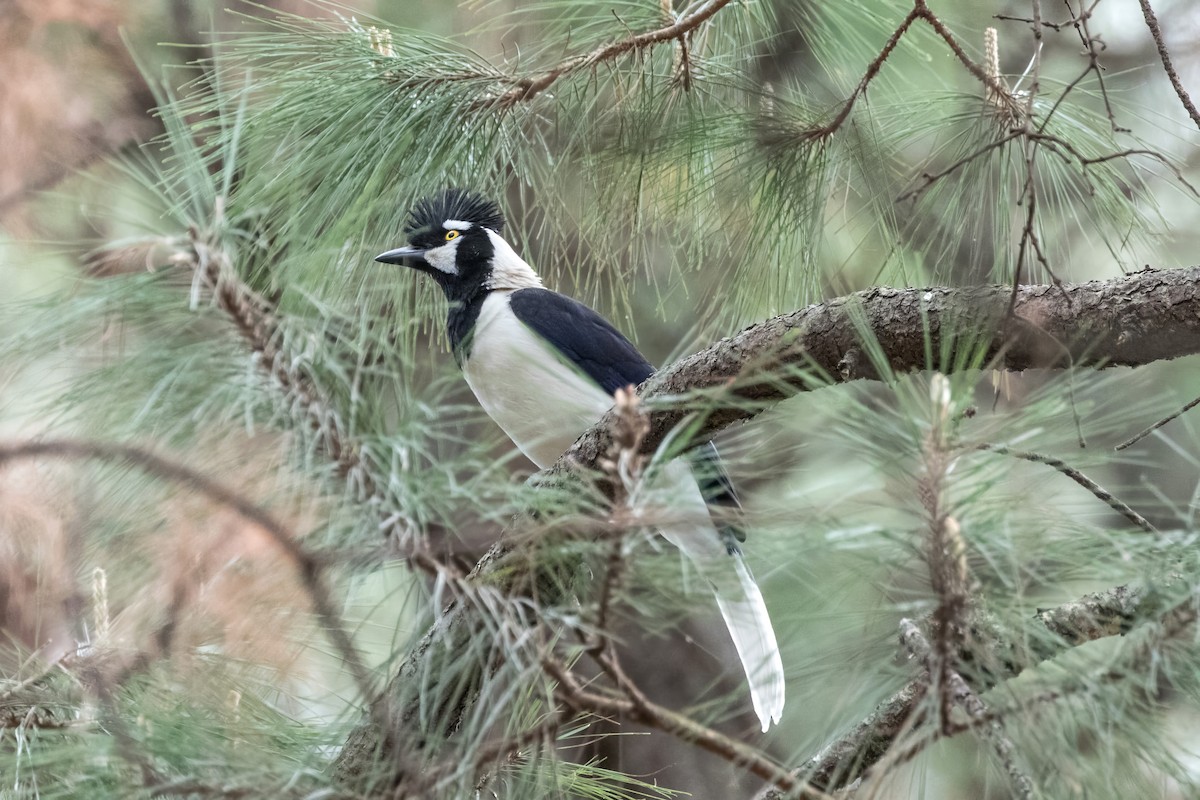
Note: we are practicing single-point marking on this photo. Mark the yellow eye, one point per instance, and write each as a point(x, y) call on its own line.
point(451, 235)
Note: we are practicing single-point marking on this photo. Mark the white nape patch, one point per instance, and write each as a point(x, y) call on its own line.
point(540, 401)
point(509, 270)
point(456, 225)
point(443, 257)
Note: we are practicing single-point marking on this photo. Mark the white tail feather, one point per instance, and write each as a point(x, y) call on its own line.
point(745, 615)
point(738, 597)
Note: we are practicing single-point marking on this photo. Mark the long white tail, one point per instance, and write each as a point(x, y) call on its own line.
point(738, 596)
point(750, 628)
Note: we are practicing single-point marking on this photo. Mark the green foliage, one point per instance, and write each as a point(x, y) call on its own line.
point(258, 342)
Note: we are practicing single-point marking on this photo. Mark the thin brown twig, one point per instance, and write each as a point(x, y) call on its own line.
point(683, 728)
point(825, 131)
point(1089, 41)
point(930, 178)
point(608, 661)
point(1056, 144)
point(1130, 442)
point(947, 36)
point(1098, 491)
point(612, 576)
point(529, 87)
point(919, 11)
point(1054, 26)
point(1156, 32)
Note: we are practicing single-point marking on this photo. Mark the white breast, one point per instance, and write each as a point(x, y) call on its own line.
point(541, 402)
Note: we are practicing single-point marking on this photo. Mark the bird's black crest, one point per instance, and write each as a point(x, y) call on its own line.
point(431, 212)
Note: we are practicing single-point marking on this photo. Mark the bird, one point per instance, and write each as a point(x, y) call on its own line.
point(545, 368)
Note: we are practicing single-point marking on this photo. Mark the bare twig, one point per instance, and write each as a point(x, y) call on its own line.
point(1137, 438)
point(930, 178)
point(872, 70)
point(979, 72)
point(487, 755)
point(1087, 483)
point(1156, 32)
point(1091, 42)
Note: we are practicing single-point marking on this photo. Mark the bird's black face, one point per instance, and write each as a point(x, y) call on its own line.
point(448, 239)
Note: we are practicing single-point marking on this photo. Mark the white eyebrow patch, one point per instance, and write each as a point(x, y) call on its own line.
point(456, 225)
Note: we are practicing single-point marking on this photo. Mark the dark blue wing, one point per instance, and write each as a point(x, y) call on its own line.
point(589, 341)
point(584, 338)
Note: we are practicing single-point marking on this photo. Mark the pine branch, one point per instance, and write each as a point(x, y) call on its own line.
point(966, 698)
point(1132, 321)
point(529, 87)
point(1091, 617)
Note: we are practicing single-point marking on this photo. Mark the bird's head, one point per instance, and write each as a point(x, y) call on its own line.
point(455, 237)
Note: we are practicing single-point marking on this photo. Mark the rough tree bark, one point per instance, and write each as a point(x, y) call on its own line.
point(1138, 319)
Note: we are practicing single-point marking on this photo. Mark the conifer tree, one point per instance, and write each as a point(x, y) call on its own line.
point(889, 254)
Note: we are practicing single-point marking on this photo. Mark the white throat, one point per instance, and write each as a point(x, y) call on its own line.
point(509, 270)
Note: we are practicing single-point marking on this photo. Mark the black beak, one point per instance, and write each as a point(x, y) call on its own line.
point(401, 254)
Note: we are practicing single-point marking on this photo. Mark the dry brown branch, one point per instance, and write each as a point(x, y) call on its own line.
point(1131, 441)
point(920, 11)
point(684, 728)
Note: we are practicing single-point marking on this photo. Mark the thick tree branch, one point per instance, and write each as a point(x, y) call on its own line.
point(1130, 321)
